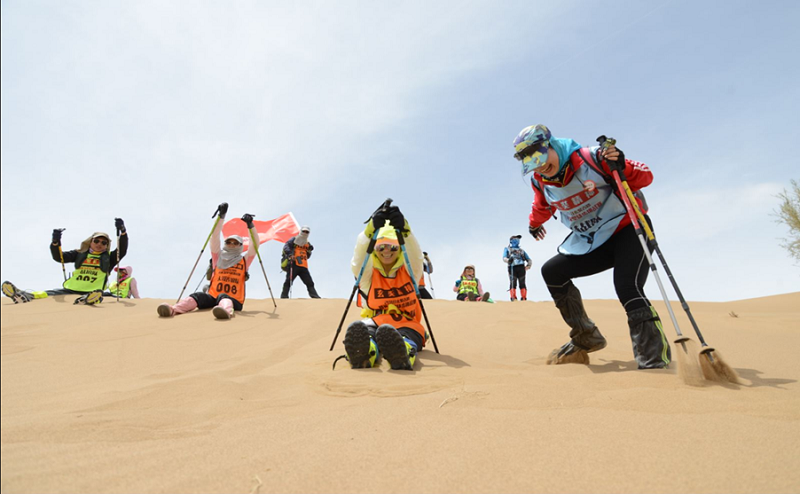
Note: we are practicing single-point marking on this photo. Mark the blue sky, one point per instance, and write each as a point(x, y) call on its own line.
point(157, 111)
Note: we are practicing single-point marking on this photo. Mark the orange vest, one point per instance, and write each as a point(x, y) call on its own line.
point(229, 281)
point(301, 255)
point(394, 301)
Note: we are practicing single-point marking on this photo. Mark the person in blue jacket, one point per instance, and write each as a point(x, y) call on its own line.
point(518, 263)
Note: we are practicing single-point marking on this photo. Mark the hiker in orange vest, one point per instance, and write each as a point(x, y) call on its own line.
point(391, 326)
point(296, 253)
point(226, 292)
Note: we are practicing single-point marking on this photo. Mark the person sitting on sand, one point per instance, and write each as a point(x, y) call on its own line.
point(226, 292)
point(469, 287)
point(126, 286)
point(392, 315)
point(93, 264)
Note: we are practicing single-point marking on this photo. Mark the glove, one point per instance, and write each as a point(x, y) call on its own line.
point(458, 283)
point(618, 164)
point(378, 220)
point(120, 225)
point(222, 209)
point(397, 220)
point(393, 214)
point(57, 235)
point(247, 218)
point(537, 232)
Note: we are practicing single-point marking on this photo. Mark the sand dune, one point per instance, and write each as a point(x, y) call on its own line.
point(113, 399)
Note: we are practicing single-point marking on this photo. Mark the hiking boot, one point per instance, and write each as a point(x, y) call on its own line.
point(485, 297)
point(650, 346)
point(164, 310)
point(472, 296)
point(396, 350)
point(15, 294)
point(94, 298)
point(361, 350)
point(91, 298)
point(584, 335)
point(221, 313)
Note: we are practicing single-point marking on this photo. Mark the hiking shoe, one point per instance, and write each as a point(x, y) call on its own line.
point(94, 298)
point(164, 310)
point(485, 297)
point(91, 298)
point(221, 313)
point(15, 294)
point(560, 356)
point(396, 350)
point(472, 296)
point(361, 350)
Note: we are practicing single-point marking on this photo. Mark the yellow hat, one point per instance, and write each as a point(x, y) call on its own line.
point(387, 235)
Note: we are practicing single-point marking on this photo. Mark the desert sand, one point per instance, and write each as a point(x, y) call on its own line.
point(114, 399)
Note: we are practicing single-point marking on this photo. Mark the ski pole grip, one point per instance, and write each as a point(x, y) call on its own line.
point(606, 142)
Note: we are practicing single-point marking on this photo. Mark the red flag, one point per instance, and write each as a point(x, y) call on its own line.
point(281, 229)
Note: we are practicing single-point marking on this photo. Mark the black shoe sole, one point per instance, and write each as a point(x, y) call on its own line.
point(393, 348)
point(356, 345)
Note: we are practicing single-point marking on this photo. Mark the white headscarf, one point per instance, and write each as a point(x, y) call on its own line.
point(229, 256)
point(302, 238)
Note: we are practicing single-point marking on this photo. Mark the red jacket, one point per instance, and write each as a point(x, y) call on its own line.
point(638, 176)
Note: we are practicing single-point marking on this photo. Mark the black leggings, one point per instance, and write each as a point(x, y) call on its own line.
point(206, 301)
point(517, 273)
point(623, 252)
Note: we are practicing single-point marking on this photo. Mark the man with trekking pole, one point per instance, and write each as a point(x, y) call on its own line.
point(577, 182)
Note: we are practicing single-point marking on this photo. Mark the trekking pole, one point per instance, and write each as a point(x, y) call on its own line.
point(370, 248)
point(216, 214)
point(402, 242)
point(291, 275)
point(510, 278)
point(254, 241)
point(61, 253)
point(606, 142)
point(118, 236)
point(706, 349)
